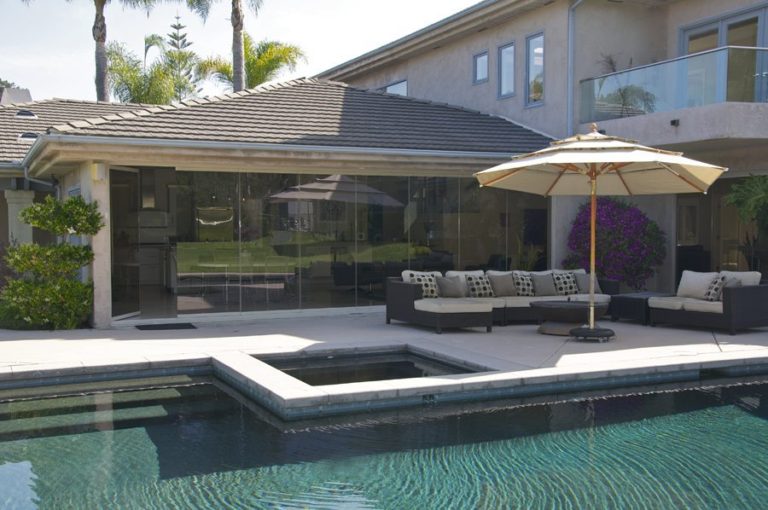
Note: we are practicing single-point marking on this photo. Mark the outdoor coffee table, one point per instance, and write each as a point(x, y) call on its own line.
point(560, 317)
point(632, 306)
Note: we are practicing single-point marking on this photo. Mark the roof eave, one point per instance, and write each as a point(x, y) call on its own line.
point(477, 17)
point(87, 148)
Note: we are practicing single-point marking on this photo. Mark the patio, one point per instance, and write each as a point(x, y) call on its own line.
point(518, 353)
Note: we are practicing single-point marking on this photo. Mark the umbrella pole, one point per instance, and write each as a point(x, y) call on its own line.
point(592, 235)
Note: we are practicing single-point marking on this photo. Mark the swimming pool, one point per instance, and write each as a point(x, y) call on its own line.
point(192, 445)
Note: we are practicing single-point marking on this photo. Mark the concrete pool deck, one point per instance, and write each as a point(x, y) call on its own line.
point(517, 358)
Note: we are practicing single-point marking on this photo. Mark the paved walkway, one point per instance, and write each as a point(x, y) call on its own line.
point(510, 348)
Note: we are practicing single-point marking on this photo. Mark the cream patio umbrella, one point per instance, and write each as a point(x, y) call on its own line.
point(595, 164)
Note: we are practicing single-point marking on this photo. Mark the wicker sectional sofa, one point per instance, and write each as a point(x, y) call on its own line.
point(742, 303)
point(405, 302)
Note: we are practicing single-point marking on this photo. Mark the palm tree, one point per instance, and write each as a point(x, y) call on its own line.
point(99, 32)
point(172, 76)
point(202, 7)
point(263, 61)
point(132, 81)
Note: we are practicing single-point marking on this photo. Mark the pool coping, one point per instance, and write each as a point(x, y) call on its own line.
point(291, 399)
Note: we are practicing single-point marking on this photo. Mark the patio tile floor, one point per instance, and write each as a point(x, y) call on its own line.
point(517, 351)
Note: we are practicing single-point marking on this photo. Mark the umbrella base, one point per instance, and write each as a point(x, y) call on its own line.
point(585, 333)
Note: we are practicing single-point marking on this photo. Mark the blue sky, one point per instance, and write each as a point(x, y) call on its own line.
point(47, 46)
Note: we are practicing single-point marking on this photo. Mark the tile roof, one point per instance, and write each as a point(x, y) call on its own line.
point(47, 113)
point(317, 113)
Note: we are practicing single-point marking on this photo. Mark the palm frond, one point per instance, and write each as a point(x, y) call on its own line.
point(215, 68)
point(200, 7)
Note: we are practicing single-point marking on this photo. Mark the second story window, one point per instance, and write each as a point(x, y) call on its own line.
point(400, 88)
point(534, 89)
point(507, 70)
point(480, 68)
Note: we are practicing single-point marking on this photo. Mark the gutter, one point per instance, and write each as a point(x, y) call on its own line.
point(571, 96)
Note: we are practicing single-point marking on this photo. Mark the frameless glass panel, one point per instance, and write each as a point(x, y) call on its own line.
point(124, 207)
point(270, 254)
point(321, 219)
point(742, 65)
point(382, 239)
point(527, 231)
point(535, 69)
point(432, 219)
point(399, 88)
point(704, 40)
point(483, 221)
point(507, 70)
point(206, 257)
point(481, 67)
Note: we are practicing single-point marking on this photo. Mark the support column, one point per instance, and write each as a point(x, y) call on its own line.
point(18, 231)
point(94, 187)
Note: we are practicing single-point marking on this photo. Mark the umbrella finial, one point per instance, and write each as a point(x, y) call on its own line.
point(594, 127)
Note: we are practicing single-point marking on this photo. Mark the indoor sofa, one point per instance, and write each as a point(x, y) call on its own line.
point(727, 300)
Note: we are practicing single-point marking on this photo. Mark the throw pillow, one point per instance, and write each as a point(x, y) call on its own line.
point(694, 284)
point(715, 288)
point(582, 282)
point(523, 284)
point(479, 286)
point(503, 284)
point(450, 286)
point(543, 285)
point(427, 281)
point(565, 284)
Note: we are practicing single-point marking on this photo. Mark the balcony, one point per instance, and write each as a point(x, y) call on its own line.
point(723, 75)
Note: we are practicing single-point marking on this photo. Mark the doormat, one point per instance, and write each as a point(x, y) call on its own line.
point(175, 325)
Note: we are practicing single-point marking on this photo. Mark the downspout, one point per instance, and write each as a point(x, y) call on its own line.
point(571, 51)
point(554, 214)
point(38, 181)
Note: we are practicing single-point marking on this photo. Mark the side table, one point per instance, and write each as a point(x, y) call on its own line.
point(632, 306)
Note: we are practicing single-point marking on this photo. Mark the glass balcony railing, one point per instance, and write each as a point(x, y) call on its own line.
point(728, 74)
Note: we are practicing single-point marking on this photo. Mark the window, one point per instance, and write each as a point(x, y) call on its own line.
point(534, 69)
point(400, 88)
point(480, 68)
point(507, 70)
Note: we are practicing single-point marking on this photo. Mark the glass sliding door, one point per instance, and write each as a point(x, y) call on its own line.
point(124, 208)
point(206, 255)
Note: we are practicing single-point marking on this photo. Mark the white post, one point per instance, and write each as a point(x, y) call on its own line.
point(18, 200)
point(94, 186)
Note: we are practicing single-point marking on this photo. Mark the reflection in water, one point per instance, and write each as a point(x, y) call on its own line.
point(195, 447)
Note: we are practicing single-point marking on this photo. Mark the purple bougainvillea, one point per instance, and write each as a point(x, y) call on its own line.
point(629, 246)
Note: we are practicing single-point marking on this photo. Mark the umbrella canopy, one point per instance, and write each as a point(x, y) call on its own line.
point(336, 188)
point(596, 164)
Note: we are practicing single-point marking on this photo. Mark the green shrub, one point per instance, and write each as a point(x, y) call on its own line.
point(47, 293)
point(73, 216)
point(47, 262)
point(53, 304)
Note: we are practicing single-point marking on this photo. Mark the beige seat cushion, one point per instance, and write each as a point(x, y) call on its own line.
point(703, 306)
point(452, 305)
point(746, 278)
point(694, 284)
point(525, 301)
point(667, 303)
point(599, 298)
point(496, 302)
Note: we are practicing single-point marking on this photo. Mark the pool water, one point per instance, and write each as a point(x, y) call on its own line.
point(325, 370)
point(194, 446)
